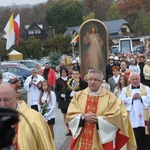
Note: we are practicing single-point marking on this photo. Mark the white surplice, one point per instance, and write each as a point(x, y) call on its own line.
point(136, 107)
point(34, 92)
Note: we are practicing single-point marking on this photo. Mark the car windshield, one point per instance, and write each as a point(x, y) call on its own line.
point(32, 64)
point(25, 68)
point(115, 49)
point(36, 62)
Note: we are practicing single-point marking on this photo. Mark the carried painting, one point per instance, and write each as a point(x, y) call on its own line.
point(93, 45)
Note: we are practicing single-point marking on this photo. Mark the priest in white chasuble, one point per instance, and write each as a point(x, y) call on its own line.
point(97, 119)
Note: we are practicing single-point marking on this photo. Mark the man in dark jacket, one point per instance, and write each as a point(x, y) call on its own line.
point(109, 68)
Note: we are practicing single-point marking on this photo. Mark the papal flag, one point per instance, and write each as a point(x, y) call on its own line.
point(17, 28)
point(10, 34)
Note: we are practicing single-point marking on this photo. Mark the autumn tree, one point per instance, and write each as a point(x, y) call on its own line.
point(61, 14)
point(113, 13)
point(33, 47)
point(22, 48)
point(90, 16)
point(4, 18)
point(146, 4)
point(54, 57)
point(129, 9)
point(88, 6)
point(142, 23)
point(3, 51)
point(99, 7)
point(58, 44)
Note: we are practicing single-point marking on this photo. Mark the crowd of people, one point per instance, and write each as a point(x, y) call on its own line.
point(98, 114)
point(128, 76)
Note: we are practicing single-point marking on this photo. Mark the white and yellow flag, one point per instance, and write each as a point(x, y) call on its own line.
point(10, 34)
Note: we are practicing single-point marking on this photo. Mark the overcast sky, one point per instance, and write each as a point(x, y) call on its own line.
point(19, 2)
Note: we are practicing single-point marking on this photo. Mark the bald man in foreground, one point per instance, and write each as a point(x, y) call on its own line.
point(32, 132)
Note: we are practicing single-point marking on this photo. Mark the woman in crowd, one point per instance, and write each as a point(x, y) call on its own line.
point(62, 93)
point(146, 72)
point(57, 72)
point(134, 67)
point(47, 105)
point(141, 65)
point(123, 82)
point(113, 81)
point(39, 69)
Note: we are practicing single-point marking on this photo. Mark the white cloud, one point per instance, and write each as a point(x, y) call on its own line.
point(19, 2)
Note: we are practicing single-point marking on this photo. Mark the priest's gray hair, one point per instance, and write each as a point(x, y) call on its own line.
point(96, 72)
point(134, 73)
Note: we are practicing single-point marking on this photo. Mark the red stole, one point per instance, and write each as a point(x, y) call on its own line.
point(88, 129)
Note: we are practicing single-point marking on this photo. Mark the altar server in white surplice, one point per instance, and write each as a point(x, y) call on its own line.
point(136, 98)
point(32, 85)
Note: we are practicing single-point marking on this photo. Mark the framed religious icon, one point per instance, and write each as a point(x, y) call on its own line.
point(93, 46)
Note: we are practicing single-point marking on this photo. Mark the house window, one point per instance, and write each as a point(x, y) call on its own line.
point(30, 32)
point(37, 31)
point(123, 30)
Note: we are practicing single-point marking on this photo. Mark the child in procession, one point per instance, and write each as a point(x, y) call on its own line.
point(47, 107)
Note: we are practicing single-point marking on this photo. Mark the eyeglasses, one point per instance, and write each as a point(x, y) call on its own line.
point(95, 80)
point(7, 99)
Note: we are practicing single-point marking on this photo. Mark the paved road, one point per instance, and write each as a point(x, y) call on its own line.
point(62, 142)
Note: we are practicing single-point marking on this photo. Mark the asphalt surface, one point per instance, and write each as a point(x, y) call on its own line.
point(62, 142)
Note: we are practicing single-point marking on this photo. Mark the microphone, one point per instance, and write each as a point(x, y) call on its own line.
point(32, 78)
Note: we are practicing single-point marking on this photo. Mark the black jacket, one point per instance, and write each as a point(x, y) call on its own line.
point(62, 88)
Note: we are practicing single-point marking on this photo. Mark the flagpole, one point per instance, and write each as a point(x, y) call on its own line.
point(0, 55)
point(72, 46)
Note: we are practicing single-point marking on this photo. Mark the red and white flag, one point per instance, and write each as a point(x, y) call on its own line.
point(10, 34)
point(17, 28)
point(75, 39)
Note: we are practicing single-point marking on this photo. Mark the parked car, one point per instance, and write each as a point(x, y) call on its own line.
point(138, 49)
point(13, 63)
point(43, 60)
point(28, 63)
point(115, 49)
point(16, 69)
point(8, 76)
